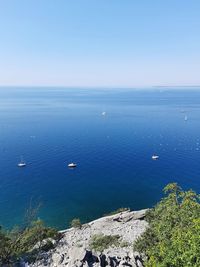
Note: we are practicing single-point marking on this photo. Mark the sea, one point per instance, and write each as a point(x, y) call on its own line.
point(111, 134)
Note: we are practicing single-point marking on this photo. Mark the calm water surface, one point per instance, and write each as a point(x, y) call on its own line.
point(52, 127)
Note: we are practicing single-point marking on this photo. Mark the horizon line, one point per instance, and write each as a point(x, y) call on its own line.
point(104, 87)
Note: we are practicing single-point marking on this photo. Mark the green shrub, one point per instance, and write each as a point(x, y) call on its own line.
point(19, 242)
point(76, 223)
point(173, 236)
point(124, 244)
point(101, 242)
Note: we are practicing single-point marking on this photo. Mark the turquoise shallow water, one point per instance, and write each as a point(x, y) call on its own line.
point(51, 127)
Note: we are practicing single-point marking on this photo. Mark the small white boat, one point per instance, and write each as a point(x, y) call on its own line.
point(22, 163)
point(186, 118)
point(103, 113)
point(154, 157)
point(72, 165)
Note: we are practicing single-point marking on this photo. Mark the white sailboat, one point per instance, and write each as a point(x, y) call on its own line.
point(72, 165)
point(155, 157)
point(22, 163)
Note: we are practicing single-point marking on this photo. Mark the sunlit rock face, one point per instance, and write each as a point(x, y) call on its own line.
point(74, 249)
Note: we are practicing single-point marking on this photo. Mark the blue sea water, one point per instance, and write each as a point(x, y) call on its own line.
point(52, 127)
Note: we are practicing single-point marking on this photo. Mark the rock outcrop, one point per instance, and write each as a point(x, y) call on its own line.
point(74, 250)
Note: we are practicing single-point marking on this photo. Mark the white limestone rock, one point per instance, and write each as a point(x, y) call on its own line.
point(73, 250)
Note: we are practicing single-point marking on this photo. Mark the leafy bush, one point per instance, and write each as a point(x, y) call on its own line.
point(19, 242)
point(76, 223)
point(5, 248)
point(125, 244)
point(101, 242)
point(173, 236)
point(35, 235)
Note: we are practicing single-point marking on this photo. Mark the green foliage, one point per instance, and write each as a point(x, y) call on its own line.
point(116, 211)
point(101, 242)
point(35, 235)
point(124, 244)
point(5, 247)
point(76, 223)
point(20, 242)
point(173, 236)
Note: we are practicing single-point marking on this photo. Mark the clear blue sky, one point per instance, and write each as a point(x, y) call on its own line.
point(100, 42)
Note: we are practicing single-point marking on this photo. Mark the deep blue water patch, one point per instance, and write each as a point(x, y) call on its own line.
point(52, 127)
